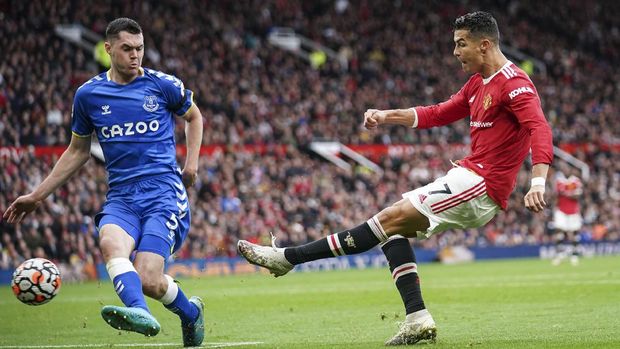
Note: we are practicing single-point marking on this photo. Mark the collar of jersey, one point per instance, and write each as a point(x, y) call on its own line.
point(487, 80)
point(107, 74)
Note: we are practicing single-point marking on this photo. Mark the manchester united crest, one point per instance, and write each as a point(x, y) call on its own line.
point(349, 240)
point(487, 101)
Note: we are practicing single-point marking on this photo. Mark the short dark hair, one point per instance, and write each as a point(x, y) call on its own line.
point(479, 24)
point(122, 24)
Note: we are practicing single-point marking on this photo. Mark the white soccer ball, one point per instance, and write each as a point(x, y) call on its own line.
point(36, 281)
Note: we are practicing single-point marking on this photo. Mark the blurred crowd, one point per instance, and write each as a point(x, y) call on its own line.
point(399, 54)
point(299, 197)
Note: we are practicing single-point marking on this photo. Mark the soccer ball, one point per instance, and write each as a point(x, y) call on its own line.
point(36, 281)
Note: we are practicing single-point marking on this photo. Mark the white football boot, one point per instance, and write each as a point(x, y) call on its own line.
point(417, 327)
point(269, 257)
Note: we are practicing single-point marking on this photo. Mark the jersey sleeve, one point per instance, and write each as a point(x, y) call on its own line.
point(444, 113)
point(178, 98)
point(521, 98)
point(81, 125)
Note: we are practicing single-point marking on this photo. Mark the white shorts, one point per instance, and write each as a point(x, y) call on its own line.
point(457, 200)
point(567, 222)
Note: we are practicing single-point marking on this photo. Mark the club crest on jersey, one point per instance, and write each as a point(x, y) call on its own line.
point(487, 101)
point(150, 103)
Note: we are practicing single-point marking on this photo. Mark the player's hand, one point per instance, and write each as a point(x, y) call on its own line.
point(189, 177)
point(535, 198)
point(374, 118)
point(20, 208)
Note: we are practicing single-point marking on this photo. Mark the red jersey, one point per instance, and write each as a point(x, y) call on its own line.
point(506, 122)
point(569, 189)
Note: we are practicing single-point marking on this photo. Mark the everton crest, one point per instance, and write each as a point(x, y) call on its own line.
point(150, 103)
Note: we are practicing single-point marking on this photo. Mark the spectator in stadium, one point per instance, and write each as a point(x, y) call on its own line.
point(506, 121)
point(131, 110)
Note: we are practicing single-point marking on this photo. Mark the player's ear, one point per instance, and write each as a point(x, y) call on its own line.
point(485, 45)
point(108, 46)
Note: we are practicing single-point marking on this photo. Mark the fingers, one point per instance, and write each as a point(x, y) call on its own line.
point(20, 208)
point(189, 179)
point(12, 215)
point(20, 217)
point(370, 112)
point(535, 201)
point(7, 213)
point(541, 199)
point(530, 204)
point(370, 118)
point(370, 123)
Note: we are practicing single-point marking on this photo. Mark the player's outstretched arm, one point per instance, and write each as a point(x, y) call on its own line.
point(375, 117)
point(193, 134)
point(71, 160)
point(535, 197)
point(444, 113)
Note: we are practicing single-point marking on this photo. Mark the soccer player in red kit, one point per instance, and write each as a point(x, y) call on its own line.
point(506, 121)
point(567, 218)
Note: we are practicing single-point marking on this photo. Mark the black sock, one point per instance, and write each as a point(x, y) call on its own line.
point(356, 240)
point(404, 270)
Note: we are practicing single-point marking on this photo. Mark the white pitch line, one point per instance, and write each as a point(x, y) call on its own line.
point(206, 345)
point(231, 344)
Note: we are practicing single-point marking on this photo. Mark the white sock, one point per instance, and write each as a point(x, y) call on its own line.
point(118, 266)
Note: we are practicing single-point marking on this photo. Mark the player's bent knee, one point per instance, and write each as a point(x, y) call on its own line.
point(115, 242)
point(388, 216)
point(154, 289)
point(150, 267)
point(154, 284)
point(402, 218)
point(111, 248)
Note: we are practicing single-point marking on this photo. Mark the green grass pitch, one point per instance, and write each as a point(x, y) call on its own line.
point(495, 304)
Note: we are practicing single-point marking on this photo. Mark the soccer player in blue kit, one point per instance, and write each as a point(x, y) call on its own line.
point(131, 109)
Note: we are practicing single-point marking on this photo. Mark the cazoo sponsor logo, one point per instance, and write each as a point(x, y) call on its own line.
point(129, 129)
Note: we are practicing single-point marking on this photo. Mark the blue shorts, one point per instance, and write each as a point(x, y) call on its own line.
point(154, 211)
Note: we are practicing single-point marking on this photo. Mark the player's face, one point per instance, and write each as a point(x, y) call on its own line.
point(126, 53)
point(467, 51)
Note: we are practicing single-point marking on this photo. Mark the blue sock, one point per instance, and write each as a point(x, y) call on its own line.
point(176, 301)
point(126, 283)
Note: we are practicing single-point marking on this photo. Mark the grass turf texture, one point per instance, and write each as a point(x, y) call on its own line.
point(497, 304)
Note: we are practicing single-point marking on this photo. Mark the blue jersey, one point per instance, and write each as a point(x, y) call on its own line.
point(134, 122)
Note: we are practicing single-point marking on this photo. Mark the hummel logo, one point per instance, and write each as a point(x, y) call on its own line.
point(106, 110)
